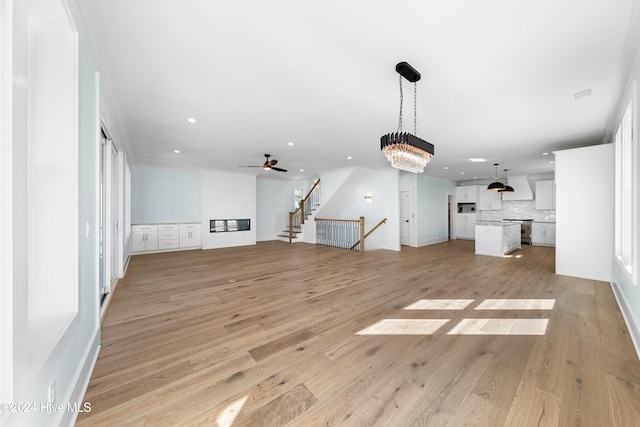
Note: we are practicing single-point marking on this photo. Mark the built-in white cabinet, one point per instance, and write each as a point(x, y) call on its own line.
point(190, 235)
point(168, 236)
point(489, 200)
point(165, 237)
point(466, 226)
point(543, 234)
point(144, 237)
point(467, 193)
point(545, 194)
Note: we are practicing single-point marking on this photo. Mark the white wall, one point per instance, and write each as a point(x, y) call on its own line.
point(343, 192)
point(70, 360)
point(274, 201)
point(227, 196)
point(164, 194)
point(627, 292)
point(432, 218)
point(584, 212)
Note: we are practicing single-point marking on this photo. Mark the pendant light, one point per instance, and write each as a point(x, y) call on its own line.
point(496, 184)
point(405, 151)
point(507, 188)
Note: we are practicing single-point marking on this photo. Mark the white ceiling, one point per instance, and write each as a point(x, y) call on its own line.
point(497, 79)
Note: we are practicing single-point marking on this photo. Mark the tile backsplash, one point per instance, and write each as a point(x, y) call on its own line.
point(519, 209)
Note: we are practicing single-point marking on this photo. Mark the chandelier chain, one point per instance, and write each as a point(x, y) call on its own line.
point(401, 99)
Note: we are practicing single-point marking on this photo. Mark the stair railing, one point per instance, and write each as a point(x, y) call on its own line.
point(384, 221)
point(341, 233)
point(297, 217)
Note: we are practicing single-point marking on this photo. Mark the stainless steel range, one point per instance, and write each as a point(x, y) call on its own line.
point(525, 229)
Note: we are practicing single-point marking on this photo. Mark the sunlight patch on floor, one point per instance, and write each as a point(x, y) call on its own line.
point(439, 304)
point(500, 327)
point(404, 327)
point(230, 412)
point(516, 304)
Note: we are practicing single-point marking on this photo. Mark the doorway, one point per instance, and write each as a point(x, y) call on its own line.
point(108, 235)
point(405, 214)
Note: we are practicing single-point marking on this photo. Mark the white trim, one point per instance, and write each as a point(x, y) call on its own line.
point(432, 241)
point(629, 318)
point(81, 380)
point(6, 206)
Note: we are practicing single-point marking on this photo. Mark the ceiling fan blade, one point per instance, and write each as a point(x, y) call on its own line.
point(250, 166)
point(278, 169)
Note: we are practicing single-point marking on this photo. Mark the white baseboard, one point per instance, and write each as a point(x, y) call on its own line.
point(629, 318)
point(432, 241)
point(81, 380)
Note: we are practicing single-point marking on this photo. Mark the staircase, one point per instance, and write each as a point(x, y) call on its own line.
point(300, 219)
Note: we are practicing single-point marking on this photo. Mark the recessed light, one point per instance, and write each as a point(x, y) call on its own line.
point(475, 177)
point(176, 151)
point(461, 173)
point(290, 144)
point(545, 154)
point(191, 120)
point(446, 167)
point(349, 157)
point(301, 170)
point(478, 160)
point(551, 162)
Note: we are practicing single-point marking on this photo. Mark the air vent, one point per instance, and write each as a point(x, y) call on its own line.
point(581, 94)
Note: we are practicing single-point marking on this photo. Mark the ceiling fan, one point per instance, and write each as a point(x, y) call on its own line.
point(268, 165)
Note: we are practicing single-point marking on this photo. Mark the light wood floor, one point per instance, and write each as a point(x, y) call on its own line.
point(268, 335)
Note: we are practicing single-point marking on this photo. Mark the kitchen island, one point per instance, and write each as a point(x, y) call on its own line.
point(496, 238)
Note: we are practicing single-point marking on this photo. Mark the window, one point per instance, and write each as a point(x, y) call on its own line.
point(625, 201)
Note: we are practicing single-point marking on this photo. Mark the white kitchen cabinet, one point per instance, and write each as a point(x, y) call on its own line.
point(489, 200)
point(466, 226)
point(190, 235)
point(497, 240)
point(168, 236)
point(543, 234)
point(144, 237)
point(467, 193)
point(545, 194)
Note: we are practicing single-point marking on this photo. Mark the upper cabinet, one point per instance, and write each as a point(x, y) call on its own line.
point(489, 200)
point(521, 188)
point(467, 193)
point(545, 194)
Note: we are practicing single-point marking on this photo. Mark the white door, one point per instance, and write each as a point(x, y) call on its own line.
point(405, 214)
point(108, 216)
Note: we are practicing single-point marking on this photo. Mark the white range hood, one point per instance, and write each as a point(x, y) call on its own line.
point(521, 188)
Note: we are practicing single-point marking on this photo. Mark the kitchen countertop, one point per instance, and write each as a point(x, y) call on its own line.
point(496, 224)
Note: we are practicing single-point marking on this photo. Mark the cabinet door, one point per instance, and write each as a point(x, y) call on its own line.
point(151, 242)
point(137, 242)
point(467, 193)
point(489, 200)
point(545, 194)
point(461, 226)
point(550, 236)
point(471, 226)
point(537, 235)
